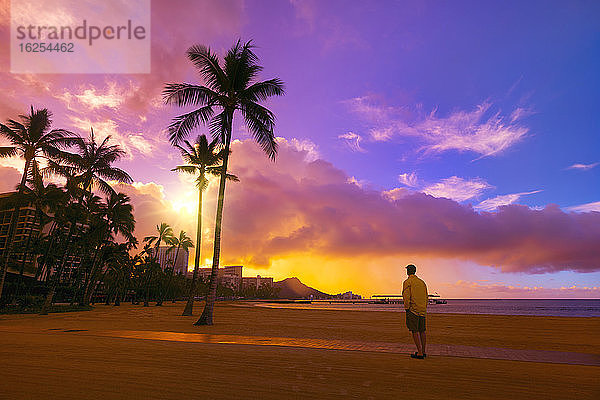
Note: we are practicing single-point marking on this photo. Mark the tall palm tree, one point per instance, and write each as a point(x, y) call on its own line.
point(165, 234)
point(200, 159)
point(182, 241)
point(230, 86)
point(33, 140)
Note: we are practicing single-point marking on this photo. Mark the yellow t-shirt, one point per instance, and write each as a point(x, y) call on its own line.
point(414, 294)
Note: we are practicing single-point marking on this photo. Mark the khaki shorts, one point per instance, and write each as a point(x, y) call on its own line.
point(414, 322)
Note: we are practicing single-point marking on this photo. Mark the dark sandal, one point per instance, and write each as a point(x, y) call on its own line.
point(415, 355)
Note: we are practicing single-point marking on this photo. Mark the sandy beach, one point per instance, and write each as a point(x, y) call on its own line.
point(89, 355)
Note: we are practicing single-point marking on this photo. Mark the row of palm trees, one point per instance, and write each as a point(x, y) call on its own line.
point(85, 226)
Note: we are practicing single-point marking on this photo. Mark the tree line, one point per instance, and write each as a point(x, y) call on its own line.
point(92, 225)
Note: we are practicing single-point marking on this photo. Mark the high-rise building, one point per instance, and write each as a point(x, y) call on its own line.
point(230, 276)
point(166, 258)
point(257, 282)
point(27, 229)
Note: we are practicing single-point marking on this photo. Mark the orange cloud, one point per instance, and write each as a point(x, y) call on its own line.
point(298, 206)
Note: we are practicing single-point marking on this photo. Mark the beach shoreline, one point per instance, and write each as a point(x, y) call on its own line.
point(525, 307)
point(66, 356)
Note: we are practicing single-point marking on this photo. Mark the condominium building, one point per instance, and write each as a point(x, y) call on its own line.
point(230, 276)
point(251, 282)
point(166, 258)
point(27, 229)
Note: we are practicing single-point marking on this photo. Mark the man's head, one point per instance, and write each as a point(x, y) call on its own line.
point(411, 269)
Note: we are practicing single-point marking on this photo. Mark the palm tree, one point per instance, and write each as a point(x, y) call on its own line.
point(45, 199)
point(183, 241)
point(91, 165)
point(201, 159)
point(33, 140)
point(87, 168)
point(117, 218)
point(120, 274)
point(113, 254)
point(230, 86)
point(165, 234)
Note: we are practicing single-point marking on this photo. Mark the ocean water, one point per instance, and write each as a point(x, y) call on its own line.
point(541, 307)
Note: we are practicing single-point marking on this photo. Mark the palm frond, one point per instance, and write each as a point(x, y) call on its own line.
point(218, 127)
point(184, 124)
point(8, 151)
point(202, 183)
point(185, 94)
point(103, 186)
point(240, 66)
point(209, 67)
point(14, 136)
point(188, 169)
point(261, 91)
point(232, 178)
point(115, 174)
point(18, 127)
point(54, 168)
point(260, 122)
point(216, 171)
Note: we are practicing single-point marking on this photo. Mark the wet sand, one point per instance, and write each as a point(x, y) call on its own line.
point(42, 361)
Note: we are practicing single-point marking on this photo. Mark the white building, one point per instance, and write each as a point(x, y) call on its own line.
point(166, 257)
point(230, 276)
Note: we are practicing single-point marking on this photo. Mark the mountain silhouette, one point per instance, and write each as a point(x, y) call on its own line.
point(292, 288)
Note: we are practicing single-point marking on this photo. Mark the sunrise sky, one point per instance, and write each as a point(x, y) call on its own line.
point(460, 136)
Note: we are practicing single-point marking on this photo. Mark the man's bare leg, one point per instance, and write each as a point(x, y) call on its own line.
point(423, 338)
point(417, 340)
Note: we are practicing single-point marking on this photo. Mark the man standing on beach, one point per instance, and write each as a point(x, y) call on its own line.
point(414, 293)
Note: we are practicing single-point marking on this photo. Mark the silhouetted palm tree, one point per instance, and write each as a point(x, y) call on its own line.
point(87, 168)
point(45, 199)
point(165, 234)
point(91, 165)
point(200, 159)
point(183, 241)
point(230, 86)
point(116, 218)
point(33, 140)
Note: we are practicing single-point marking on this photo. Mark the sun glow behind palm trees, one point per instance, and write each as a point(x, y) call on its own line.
point(186, 204)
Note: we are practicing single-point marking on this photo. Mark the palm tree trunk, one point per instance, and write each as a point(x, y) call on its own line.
point(207, 314)
point(89, 281)
point(40, 270)
point(147, 298)
point(56, 281)
point(170, 284)
point(160, 284)
point(93, 285)
point(190, 302)
point(119, 293)
point(24, 261)
point(50, 295)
